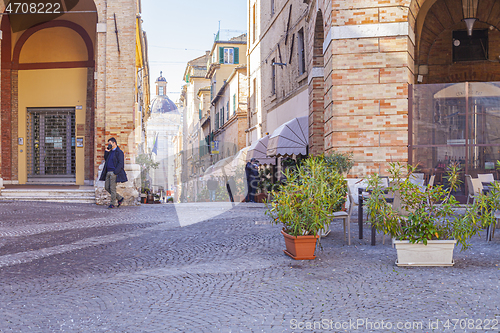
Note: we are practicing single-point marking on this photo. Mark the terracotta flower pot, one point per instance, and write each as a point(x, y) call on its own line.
point(260, 197)
point(300, 247)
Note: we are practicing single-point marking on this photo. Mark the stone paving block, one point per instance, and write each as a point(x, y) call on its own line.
point(82, 268)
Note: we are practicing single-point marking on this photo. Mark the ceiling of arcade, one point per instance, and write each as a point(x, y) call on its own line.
point(435, 43)
point(84, 14)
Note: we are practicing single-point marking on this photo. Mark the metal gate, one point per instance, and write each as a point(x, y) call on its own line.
point(51, 142)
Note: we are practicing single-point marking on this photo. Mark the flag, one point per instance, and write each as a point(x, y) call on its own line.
point(155, 145)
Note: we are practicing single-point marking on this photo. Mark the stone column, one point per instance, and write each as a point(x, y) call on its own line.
point(115, 92)
point(368, 64)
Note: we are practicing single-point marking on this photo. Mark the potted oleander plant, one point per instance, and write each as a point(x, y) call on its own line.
point(304, 204)
point(426, 222)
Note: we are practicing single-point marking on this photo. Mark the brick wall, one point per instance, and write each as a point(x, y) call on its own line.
point(316, 88)
point(89, 127)
point(14, 127)
point(115, 86)
point(6, 122)
point(365, 83)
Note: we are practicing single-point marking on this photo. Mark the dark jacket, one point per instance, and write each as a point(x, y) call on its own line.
point(251, 172)
point(119, 162)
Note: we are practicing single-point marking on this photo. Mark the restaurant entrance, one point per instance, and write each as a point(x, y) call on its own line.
point(455, 123)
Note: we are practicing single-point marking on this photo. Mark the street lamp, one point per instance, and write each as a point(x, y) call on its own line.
point(469, 8)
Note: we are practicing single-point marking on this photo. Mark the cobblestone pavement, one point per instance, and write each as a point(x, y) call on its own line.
point(217, 268)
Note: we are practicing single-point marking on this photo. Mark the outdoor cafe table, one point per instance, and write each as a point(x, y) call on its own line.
point(361, 197)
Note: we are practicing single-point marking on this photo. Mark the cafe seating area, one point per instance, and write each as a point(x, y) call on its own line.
point(473, 185)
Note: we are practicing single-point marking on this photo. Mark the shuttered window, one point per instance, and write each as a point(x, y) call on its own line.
point(236, 55)
point(221, 55)
point(229, 55)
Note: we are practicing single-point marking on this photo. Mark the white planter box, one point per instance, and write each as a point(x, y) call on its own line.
point(435, 253)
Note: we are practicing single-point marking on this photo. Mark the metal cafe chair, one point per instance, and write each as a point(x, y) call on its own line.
point(431, 181)
point(474, 187)
point(490, 232)
point(345, 216)
point(486, 177)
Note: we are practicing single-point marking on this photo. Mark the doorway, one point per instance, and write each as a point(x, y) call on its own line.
point(51, 144)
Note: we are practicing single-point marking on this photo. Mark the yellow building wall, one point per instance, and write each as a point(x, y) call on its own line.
point(52, 88)
point(54, 45)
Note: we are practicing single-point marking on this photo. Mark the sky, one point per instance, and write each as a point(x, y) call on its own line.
point(179, 31)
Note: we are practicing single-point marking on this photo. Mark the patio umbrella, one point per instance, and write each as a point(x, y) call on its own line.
point(291, 138)
point(223, 167)
point(239, 159)
point(258, 150)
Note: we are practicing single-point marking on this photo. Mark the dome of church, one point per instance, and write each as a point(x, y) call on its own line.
point(161, 78)
point(163, 104)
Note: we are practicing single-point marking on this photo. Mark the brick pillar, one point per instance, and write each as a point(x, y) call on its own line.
point(6, 151)
point(368, 65)
point(316, 115)
point(15, 124)
point(317, 90)
point(5, 112)
point(89, 127)
point(115, 89)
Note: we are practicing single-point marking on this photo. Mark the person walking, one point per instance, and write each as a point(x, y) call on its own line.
point(213, 186)
point(252, 174)
point(113, 171)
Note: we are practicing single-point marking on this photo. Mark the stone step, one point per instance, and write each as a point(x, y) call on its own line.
point(51, 199)
point(59, 195)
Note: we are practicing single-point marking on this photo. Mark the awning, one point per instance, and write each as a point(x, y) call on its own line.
point(290, 138)
point(218, 169)
point(258, 150)
point(239, 160)
point(228, 165)
point(476, 89)
point(223, 167)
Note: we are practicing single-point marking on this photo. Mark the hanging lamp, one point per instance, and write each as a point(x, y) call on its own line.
point(469, 8)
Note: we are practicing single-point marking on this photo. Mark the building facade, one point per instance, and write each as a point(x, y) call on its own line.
point(277, 71)
point(69, 82)
point(226, 62)
point(194, 76)
point(230, 104)
point(378, 77)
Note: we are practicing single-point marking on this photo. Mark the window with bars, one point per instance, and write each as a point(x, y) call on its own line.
point(302, 54)
point(470, 48)
point(273, 77)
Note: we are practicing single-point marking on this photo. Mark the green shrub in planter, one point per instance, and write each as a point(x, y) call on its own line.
point(430, 213)
point(305, 202)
